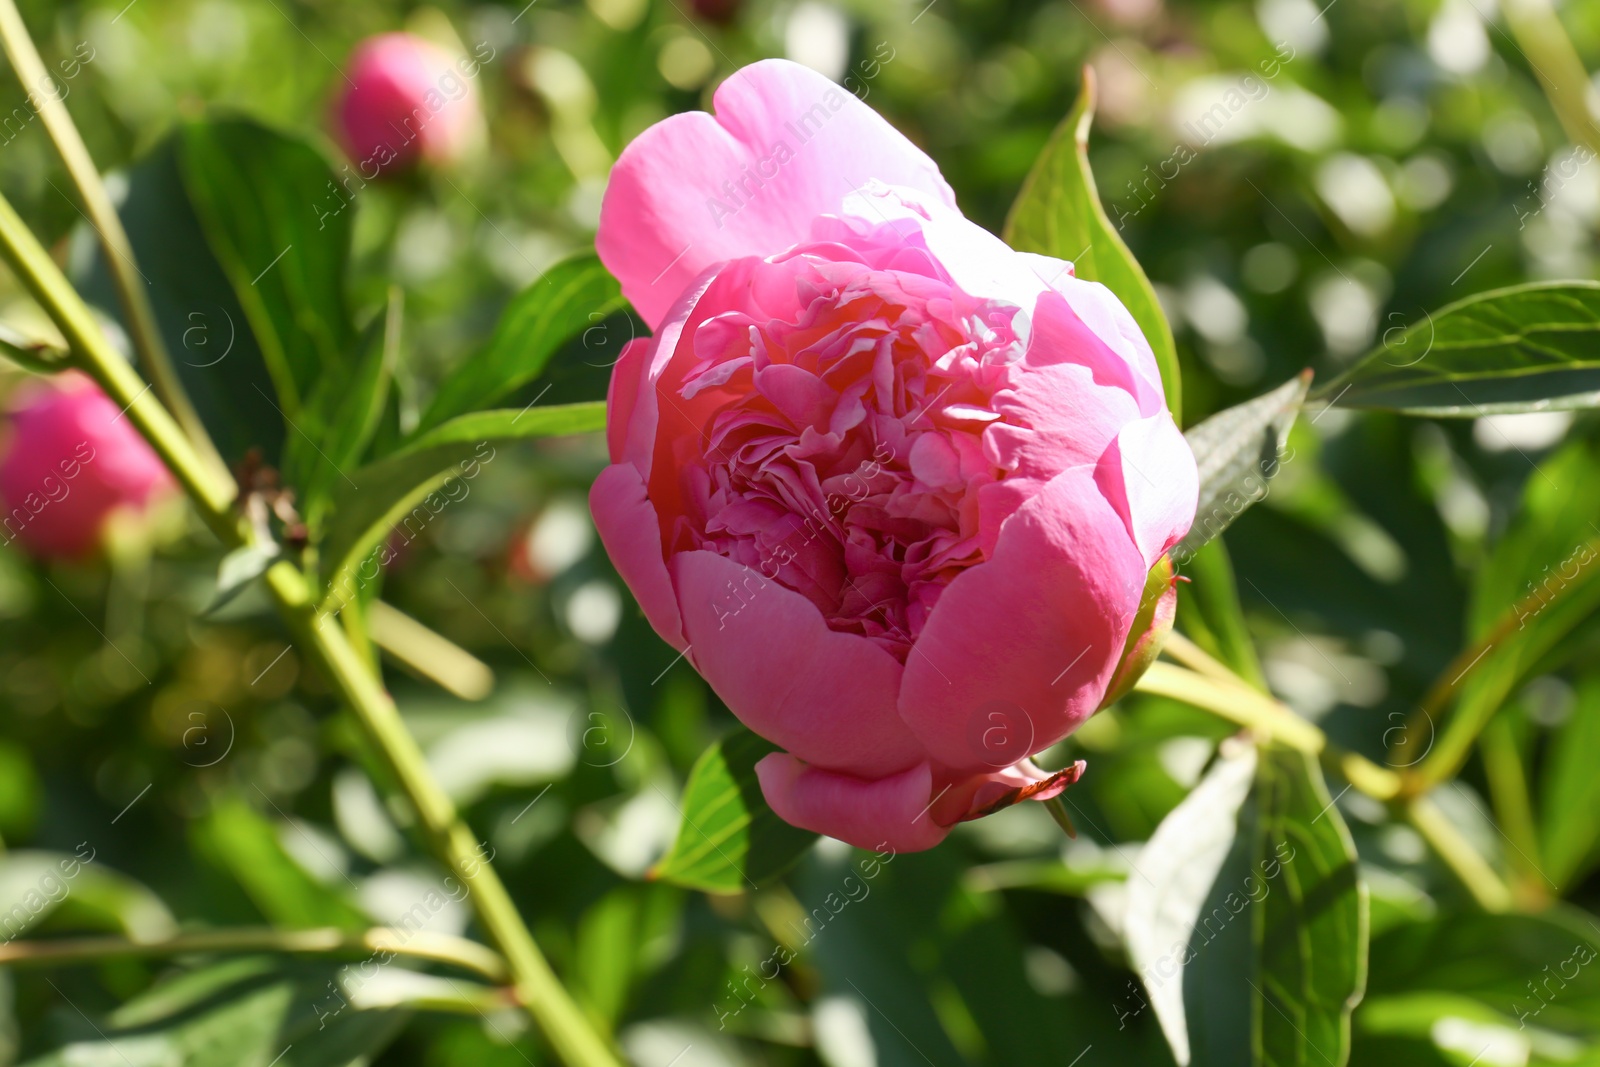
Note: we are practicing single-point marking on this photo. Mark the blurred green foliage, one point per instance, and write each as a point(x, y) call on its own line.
point(1386, 157)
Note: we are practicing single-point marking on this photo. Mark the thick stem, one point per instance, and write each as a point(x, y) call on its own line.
point(328, 941)
point(1472, 869)
point(569, 1031)
point(575, 1041)
point(1237, 702)
point(43, 93)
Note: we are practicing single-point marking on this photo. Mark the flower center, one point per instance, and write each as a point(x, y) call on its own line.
point(847, 462)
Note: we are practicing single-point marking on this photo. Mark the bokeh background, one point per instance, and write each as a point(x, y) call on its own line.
point(1389, 156)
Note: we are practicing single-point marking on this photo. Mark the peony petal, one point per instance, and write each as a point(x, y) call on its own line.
point(979, 263)
point(827, 697)
point(631, 532)
point(1068, 404)
point(622, 395)
point(1111, 321)
point(885, 814)
point(1019, 648)
point(1149, 475)
point(785, 145)
point(636, 430)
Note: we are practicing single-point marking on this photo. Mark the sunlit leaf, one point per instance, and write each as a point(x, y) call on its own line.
point(1058, 213)
point(56, 891)
point(1570, 794)
point(568, 299)
point(1238, 452)
point(1533, 347)
point(345, 410)
point(1176, 871)
point(1246, 920)
point(1311, 928)
point(729, 840)
point(239, 568)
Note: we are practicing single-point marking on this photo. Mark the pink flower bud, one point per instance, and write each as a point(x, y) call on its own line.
point(72, 459)
point(406, 99)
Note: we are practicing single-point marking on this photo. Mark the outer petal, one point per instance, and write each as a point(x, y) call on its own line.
point(980, 264)
point(1103, 313)
point(1149, 475)
point(827, 697)
point(631, 532)
point(622, 395)
point(1067, 405)
point(879, 813)
point(1019, 648)
point(785, 145)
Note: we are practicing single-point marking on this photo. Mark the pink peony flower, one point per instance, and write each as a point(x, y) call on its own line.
point(892, 486)
point(72, 459)
point(406, 99)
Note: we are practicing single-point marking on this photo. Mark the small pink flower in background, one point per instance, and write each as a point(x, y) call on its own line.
point(895, 487)
point(406, 99)
point(70, 460)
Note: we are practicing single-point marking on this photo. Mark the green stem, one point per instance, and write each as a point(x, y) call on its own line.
point(421, 945)
point(1548, 50)
point(568, 1030)
point(1474, 872)
point(1513, 807)
point(564, 1024)
point(1236, 701)
point(107, 224)
point(428, 654)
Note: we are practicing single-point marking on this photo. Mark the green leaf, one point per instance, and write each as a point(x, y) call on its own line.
point(1246, 919)
point(1568, 829)
point(1528, 347)
point(347, 411)
point(205, 328)
point(1311, 930)
point(1537, 587)
point(1058, 213)
point(276, 222)
point(33, 354)
point(253, 1011)
point(1176, 871)
point(1238, 453)
point(54, 891)
point(730, 841)
point(568, 299)
point(417, 481)
point(246, 844)
point(1534, 969)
